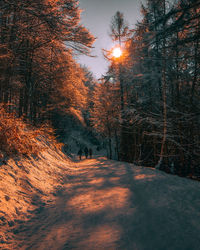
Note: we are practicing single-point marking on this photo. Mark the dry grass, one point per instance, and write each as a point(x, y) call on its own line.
point(20, 138)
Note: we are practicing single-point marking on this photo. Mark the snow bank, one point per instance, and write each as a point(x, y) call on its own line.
point(26, 186)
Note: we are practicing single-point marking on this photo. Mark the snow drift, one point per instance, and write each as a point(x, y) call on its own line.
point(27, 185)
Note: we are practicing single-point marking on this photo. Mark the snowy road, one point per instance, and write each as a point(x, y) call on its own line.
point(112, 205)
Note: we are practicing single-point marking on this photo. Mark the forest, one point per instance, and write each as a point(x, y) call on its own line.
point(145, 109)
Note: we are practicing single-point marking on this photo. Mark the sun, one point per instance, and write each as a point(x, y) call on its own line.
point(117, 52)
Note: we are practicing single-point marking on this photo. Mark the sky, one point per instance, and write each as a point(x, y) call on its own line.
point(96, 17)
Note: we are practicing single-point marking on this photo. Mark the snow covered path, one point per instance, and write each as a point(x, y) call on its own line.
point(112, 205)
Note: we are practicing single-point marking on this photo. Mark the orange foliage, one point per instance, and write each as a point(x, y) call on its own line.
point(20, 138)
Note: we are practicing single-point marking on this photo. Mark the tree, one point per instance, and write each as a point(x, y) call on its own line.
point(105, 111)
point(160, 87)
point(120, 33)
point(38, 39)
point(119, 28)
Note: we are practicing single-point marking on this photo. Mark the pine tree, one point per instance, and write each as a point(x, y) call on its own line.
point(37, 40)
point(105, 112)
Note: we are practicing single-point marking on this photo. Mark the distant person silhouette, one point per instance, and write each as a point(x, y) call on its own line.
point(80, 153)
point(90, 153)
point(86, 152)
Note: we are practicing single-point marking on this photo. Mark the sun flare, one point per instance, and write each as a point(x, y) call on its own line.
point(117, 52)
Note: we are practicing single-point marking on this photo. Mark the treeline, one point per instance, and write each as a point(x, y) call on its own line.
point(38, 74)
point(148, 105)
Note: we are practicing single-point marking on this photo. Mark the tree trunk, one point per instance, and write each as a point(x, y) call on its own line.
point(164, 95)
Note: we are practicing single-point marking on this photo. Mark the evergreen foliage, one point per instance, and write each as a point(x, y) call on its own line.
point(158, 81)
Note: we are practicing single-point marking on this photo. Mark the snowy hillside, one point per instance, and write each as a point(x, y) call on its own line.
point(52, 203)
point(26, 186)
